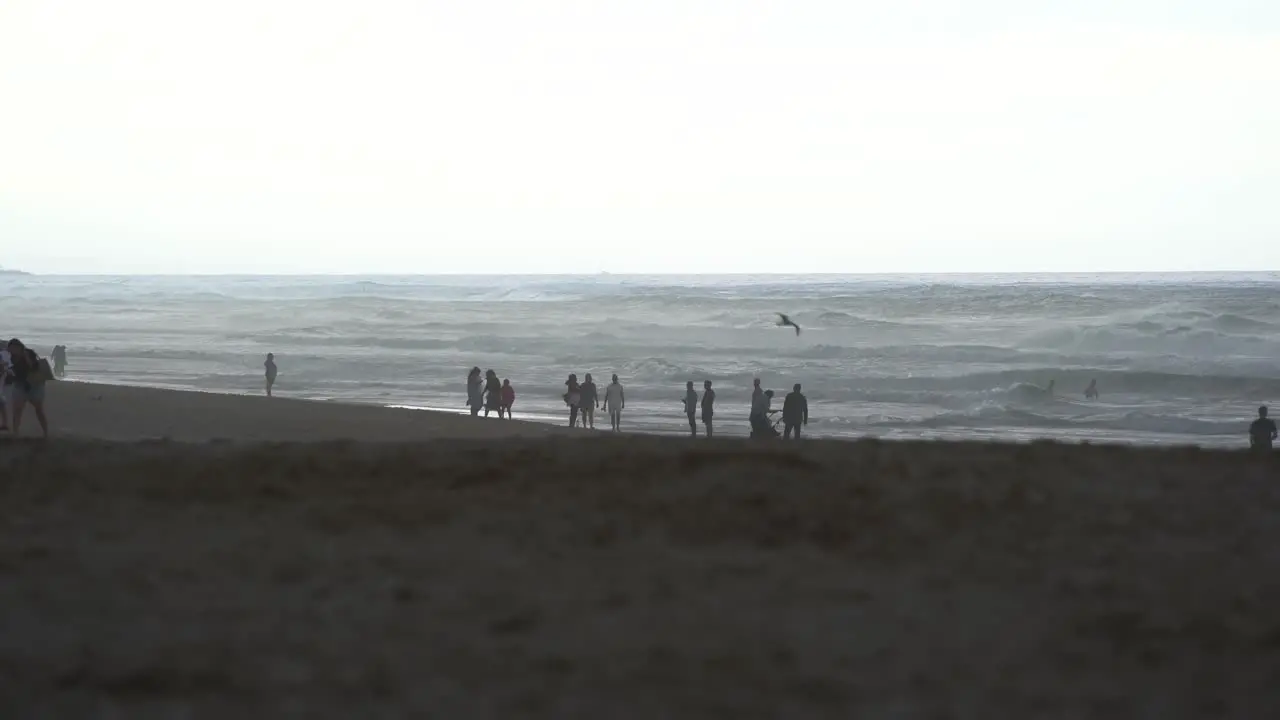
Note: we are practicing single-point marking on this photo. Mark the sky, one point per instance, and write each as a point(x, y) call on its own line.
point(682, 136)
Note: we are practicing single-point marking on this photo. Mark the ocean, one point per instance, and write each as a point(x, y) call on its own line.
point(1178, 358)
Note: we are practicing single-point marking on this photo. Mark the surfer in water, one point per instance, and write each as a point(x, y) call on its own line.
point(1091, 392)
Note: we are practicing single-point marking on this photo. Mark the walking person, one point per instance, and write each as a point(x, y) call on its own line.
point(795, 413)
point(492, 393)
point(708, 406)
point(614, 401)
point(590, 401)
point(270, 366)
point(573, 398)
point(475, 391)
point(29, 377)
point(691, 407)
point(508, 398)
point(59, 361)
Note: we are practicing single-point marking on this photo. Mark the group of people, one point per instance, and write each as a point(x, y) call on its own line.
point(488, 394)
point(584, 398)
point(23, 375)
point(795, 411)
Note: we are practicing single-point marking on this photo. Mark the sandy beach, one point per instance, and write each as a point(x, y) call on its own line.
point(175, 554)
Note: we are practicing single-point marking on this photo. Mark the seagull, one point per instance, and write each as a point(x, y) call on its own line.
point(784, 321)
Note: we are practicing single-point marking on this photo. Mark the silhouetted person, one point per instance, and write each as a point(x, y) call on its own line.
point(475, 391)
point(1262, 432)
point(795, 413)
point(28, 385)
point(614, 401)
point(691, 407)
point(708, 406)
point(6, 383)
point(573, 398)
point(492, 394)
point(1091, 392)
point(1049, 390)
point(508, 398)
point(271, 371)
point(590, 401)
point(757, 417)
point(59, 361)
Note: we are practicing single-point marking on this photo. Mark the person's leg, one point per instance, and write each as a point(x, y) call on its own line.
point(786, 431)
point(44, 422)
point(707, 421)
point(19, 403)
point(693, 425)
point(573, 416)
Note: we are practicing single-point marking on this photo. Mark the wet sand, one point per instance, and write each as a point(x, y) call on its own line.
point(633, 577)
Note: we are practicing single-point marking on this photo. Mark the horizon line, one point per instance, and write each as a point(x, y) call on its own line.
point(602, 273)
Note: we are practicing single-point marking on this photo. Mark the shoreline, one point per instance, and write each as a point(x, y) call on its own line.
point(71, 396)
point(133, 413)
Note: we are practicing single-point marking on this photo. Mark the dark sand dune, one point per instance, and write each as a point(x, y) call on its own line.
point(636, 578)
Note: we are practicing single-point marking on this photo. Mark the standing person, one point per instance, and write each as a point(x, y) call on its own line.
point(1261, 433)
point(614, 401)
point(795, 413)
point(59, 361)
point(590, 401)
point(691, 407)
point(708, 405)
point(757, 402)
point(475, 391)
point(270, 366)
point(508, 398)
point(28, 385)
point(6, 382)
point(573, 398)
point(492, 393)
point(1091, 392)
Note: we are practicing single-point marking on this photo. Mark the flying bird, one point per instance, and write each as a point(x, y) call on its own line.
point(784, 321)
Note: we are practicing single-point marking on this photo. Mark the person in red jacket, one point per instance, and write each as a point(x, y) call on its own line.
point(508, 398)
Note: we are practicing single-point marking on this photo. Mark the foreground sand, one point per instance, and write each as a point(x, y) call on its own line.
point(595, 577)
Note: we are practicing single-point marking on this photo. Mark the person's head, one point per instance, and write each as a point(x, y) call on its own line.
point(689, 385)
point(588, 377)
point(797, 387)
point(573, 377)
point(1262, 411)
point(706, 384)
point(271, 356)
point(15, 346)
point(768, 393)
point(615, 377)
point(506, 382)
point(756, 383)
point(474, 371)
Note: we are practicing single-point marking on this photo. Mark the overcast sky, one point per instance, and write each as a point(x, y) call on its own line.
point(645, 136)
